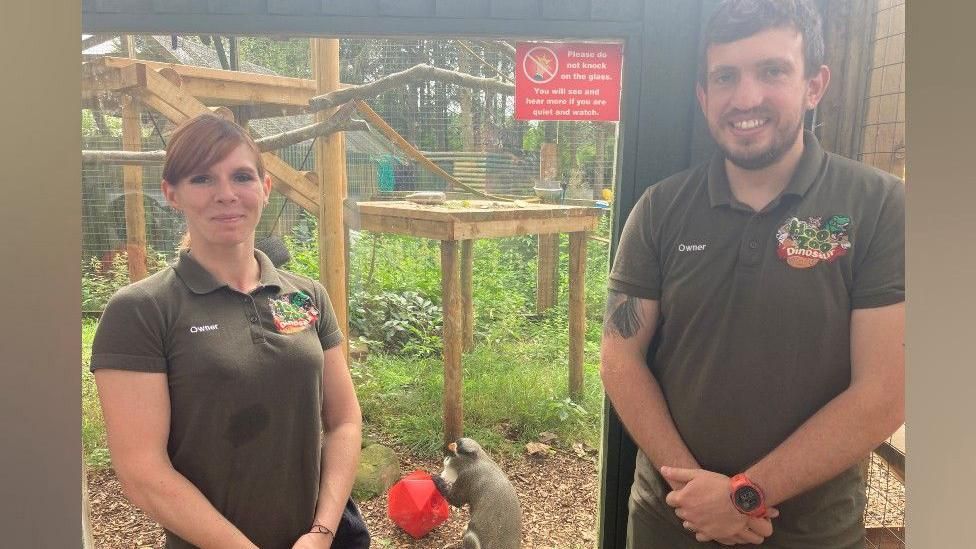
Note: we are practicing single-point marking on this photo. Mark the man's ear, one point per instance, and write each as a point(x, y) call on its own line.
point(700, 92)
point(169, 191)
point(817, 87)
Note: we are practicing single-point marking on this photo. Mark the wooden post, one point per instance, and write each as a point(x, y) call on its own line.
point(135, 211)
point(547, 276)
point(451, 298)
point(330, 161)
point(87, 539)
point(577, 312)
point(467, 291)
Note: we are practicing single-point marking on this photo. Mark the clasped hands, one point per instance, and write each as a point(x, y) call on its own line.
point(701, 500)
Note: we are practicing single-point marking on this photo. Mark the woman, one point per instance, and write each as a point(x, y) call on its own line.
point(218, 375)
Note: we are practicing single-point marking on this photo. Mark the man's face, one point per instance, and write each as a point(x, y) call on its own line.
point(756, 94)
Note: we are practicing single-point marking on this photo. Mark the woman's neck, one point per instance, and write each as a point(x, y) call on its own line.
point(234, 265)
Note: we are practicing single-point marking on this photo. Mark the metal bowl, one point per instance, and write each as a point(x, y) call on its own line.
point(548, 194)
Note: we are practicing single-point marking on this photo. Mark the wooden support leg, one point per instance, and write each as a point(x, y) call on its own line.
point(546, 280)
point(135, 214)
point(577, 312)
point(467, 298)
point(451, 297)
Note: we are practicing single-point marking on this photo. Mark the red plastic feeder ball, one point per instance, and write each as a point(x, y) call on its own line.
point(415, 505)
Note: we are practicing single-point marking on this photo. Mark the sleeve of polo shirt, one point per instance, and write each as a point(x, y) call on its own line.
point(879, 276)
point(327, 326)
point(636, 267)
point(130, 334)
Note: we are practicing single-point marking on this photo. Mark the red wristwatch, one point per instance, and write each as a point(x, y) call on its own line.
point(747, 497)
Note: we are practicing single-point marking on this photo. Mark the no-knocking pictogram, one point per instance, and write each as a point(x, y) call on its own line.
point(567, 81)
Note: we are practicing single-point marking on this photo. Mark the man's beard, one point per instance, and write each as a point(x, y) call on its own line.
point(782, 141)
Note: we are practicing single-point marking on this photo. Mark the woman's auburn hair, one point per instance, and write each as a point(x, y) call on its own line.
point(201, 142)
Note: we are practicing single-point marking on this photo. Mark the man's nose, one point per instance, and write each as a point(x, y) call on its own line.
point(748, 94)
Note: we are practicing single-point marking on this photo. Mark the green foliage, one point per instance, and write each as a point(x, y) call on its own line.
point(289, 57)
point(406, 323)
point(533, 138)
point(98, 283)
point(94, 442)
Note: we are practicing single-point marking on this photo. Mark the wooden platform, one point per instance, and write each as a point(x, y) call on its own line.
point(457, 223)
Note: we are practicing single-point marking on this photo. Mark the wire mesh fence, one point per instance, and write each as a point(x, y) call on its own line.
point(883, 146)
point(470, 134)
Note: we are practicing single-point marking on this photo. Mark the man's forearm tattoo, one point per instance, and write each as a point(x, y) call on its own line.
point(623, 315)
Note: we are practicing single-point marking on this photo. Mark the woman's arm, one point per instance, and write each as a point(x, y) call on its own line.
point(342, 422)
point(137, 413)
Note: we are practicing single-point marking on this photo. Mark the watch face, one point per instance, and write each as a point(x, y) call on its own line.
point(747, 498)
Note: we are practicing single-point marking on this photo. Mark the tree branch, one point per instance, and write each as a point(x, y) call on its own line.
point(339, 121)
point(413, 74)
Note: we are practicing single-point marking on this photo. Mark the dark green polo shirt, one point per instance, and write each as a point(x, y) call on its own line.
point(244, 374)
point(754, 333)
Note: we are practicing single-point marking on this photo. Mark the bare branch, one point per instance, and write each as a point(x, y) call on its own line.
point(416, 73)
point(339, 121)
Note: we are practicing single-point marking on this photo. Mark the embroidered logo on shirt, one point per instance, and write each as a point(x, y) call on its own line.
point(293, 312)
point(206, 328)
point(804, 243)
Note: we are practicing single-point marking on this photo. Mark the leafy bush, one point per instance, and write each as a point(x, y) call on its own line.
point(98, 283)
point(404, 322)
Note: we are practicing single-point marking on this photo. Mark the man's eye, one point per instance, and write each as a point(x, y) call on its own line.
point(774, 72)
point(722, 78)
point(244, 177)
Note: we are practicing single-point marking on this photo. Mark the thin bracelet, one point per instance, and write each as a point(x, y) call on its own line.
point(319, 529)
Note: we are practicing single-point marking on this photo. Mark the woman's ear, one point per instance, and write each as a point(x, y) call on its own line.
point(169, 191)
point(266, 185)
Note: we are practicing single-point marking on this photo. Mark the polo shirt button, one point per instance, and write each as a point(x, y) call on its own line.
point(753, 245)
point(253, 319)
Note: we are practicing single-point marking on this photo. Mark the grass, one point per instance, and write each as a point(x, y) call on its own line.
point(515, 379)
point(92, 423)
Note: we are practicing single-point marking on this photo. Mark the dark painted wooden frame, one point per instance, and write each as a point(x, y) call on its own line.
point(659, 114)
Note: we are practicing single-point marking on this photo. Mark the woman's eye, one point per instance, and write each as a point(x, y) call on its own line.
point(244, 177)
point(200, 179)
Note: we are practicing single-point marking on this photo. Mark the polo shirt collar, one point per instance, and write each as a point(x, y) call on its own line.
point(807, 170)
point(200, 281)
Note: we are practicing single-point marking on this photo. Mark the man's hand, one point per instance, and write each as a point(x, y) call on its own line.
point(703, 503)
point(313, 540)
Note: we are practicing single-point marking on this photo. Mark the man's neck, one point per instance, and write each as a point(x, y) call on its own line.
point(757, 188)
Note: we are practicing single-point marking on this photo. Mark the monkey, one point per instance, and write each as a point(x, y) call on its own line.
point(470, 476)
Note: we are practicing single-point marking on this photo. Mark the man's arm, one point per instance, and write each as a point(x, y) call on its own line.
point(834, 439)
point(628, 327)
point(855, 422)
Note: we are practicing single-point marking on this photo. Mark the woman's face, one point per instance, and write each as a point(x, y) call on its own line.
point(223, 203)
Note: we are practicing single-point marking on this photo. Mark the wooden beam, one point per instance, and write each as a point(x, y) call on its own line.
point(467, 294)
point(330, 159)
point(547, 283)
point(135, 213)
point(577, 312)
point(176, 105)
point(451, 302)
point(848, 26)
point(230, 87)
point(376, 120)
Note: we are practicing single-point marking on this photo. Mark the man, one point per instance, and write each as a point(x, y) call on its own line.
point(753, 339)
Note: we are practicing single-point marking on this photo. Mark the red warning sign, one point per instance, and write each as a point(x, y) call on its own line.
point(567, 81)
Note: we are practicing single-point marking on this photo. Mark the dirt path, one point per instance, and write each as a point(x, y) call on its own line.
point(558, 494)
